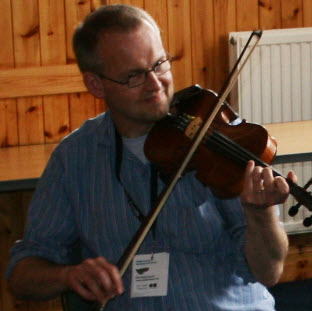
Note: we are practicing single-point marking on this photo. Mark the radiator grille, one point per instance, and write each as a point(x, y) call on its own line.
point(276, 84)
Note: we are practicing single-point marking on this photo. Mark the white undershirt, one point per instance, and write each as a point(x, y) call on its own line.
point(136, 146)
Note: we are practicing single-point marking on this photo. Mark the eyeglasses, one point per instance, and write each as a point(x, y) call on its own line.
point(137, 79)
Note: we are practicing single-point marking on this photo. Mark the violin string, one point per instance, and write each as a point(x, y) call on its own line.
point(224, 146)
point(231, 149)
point(220, 143)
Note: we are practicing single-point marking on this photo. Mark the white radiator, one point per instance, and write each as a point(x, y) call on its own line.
point(275, 86)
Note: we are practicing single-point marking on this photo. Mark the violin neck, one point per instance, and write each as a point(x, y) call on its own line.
point(241, 156)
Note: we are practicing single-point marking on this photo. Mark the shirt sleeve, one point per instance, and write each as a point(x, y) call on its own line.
point(50, 230)
point(232, 213)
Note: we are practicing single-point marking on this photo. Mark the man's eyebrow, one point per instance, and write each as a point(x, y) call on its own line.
point(139, 70)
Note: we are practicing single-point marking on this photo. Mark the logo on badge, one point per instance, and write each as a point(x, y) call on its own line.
point(142, 270)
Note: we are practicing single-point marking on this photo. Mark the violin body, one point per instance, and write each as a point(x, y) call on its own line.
point(223, 154)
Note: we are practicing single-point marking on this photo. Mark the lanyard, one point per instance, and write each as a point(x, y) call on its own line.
point(153, 183)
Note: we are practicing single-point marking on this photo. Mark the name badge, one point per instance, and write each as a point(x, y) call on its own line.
point(150, 275)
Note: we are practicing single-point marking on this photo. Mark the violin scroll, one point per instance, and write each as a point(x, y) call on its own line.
point(304, 198)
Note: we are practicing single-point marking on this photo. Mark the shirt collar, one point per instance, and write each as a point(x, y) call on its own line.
point(105, 133)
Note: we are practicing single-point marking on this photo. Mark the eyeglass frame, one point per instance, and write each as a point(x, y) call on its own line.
point(146, 72)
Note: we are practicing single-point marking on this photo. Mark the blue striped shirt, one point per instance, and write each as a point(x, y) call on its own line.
point(79, 198)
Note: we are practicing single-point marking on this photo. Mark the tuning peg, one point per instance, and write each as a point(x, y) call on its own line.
point(293, 210)
point(307, 221)
point(308, 184)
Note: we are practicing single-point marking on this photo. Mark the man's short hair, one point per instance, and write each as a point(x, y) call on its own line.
point(108, 18)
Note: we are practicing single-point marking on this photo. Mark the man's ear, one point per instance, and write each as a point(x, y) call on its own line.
point(94, 84)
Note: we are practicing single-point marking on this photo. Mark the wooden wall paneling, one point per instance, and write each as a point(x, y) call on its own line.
point(6, 51)
point(8, 123)
point(8, 110)
point(100, 106)
point(81, 108)
point(291, 13)
point(247, 15)
point(53, 51)
point(27, 53)
point(81, 105)
point(203, 57)
point(97, 3)
point(179, 30)
point(224, 22)
point(307, 13)
point(138, 3)
point(158, 9)
point(75, 12)
point(40, 80)
point(30, 120)
point(269, 14)
point(298, 265)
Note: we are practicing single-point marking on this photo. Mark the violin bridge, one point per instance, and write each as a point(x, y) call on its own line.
point(193, 127)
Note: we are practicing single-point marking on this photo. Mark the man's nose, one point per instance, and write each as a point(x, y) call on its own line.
point(152, 80)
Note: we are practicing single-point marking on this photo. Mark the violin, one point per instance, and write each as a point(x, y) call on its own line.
point(226, 148)
point(224, 151)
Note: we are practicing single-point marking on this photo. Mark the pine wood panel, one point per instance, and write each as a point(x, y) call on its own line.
point(158, 9)
point(53, 51)
point(6, 51)
point(203, 52)
point(298, 264)
point(75, 12)
point(291, 13)
point(27, 53)
point(97, 3)
point(100, 106)
point(8, 123)
point(81, 106)
point(247, 15)
point(179, 30)
point(138, 3)
point(44, 80)
point(225, 21)
point(269, 14)
point(307, 13)
point(8, 111)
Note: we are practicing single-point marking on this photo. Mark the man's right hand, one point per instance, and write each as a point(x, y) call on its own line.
point(94, 279)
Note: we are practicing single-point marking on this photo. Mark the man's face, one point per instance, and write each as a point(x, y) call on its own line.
point(135, 109)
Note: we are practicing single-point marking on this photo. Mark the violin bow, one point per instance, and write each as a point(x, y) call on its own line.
point(149, 220)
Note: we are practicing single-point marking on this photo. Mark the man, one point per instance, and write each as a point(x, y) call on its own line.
point(205, 253)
